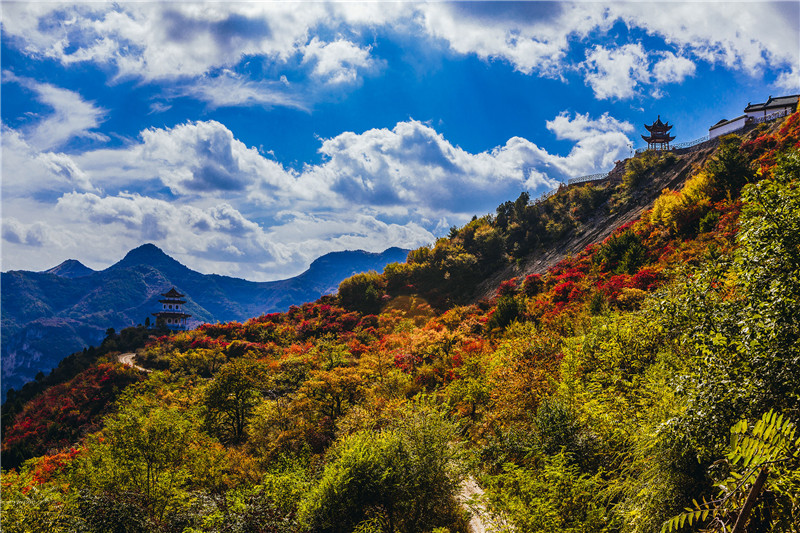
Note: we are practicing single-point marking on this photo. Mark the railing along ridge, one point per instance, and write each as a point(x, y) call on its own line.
point(590, 177)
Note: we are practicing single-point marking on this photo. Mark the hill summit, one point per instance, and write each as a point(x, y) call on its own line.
point(71, 268)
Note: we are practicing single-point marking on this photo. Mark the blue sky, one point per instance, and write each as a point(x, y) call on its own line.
point(250, 138)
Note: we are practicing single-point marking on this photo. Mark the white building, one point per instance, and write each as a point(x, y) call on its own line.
point(780, 106)
point(726, 126)
point(772, 108)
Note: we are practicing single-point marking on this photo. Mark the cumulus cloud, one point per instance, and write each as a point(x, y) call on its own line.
point(673, 69)
point(532, 36)
point(71, 115)
point(535, 37)
point(27, 170)
point(204, 157)
point(615, 73)
point(619, 73)
point(234, 211)
point(161, 41)
point(36, 234)
point(158, 41)
point(337, 62)
point(582, 126)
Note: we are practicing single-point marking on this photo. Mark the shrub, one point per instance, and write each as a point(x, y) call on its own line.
point(637, 168)
point(362, 292)
point(622, 253)
point(532, 285)
point(406, 477)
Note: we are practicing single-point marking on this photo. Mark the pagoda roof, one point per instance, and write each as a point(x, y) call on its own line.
point(658, 125)
point(172, 293)
point(656, 138)
point(172, 301)
point(172, 314)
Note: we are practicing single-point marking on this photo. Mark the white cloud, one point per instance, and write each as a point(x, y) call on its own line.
point(204, 157)
point(160, 41)
point(337, 62)
point(234, 211)
point(619, 73)
point(741, 35)
point(71, 117)
point(789, 80)
point(27, 170)
point(532, 36)
point(582, 127)
point(35, 234)
point(673, 69)
point(229, 89)
point(615, 73)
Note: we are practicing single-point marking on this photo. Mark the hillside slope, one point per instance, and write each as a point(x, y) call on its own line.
point(606, 217)
point(633, 380)
point(621, 205)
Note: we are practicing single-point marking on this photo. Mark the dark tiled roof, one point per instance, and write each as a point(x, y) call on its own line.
point(172, 293)
point(658, 125)
point(658, 138)
point(782, 101)
point(723, 122)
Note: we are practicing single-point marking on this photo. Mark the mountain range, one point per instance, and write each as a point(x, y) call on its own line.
point(48, 315)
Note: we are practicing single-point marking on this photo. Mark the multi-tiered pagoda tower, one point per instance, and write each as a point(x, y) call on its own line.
point(659, 137)
point(171, 314)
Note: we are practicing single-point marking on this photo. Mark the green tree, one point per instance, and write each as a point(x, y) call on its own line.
point(405, 477)
point(362, 292)
point(146, 455)
point(231, 397)
point(729, 169)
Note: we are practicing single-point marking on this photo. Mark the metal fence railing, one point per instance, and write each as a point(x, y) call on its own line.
point(545, 195)
point(773, 116)
point(590, 177)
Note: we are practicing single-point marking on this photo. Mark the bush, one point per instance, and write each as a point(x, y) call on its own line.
point(637, 168)
point(406, 477)
point(362, 292)
point(622, 253)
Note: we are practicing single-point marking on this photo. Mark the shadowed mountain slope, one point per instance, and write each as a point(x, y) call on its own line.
point(47, 315)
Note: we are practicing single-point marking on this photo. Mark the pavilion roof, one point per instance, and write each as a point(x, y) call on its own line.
point(658, 126)
point(659, 138)
point(172, 293)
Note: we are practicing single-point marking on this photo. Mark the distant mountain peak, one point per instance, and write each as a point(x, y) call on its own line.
point(147, 254)
point(71, 268)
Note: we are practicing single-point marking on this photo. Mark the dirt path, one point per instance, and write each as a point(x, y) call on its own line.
point(481, 521)
point(127, 360)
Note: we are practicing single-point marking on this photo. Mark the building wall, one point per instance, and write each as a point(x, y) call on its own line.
point(727, 128)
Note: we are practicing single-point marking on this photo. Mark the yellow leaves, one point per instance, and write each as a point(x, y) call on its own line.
point(676, 211)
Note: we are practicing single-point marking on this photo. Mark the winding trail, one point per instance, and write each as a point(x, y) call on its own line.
point(127, 360)
point(481, 521)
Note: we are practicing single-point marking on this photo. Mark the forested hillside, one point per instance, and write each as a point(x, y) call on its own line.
point(647, 382)
point(46, 315)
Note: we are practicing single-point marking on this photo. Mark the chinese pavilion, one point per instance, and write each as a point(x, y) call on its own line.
point(171, 314)
point(659, 135)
